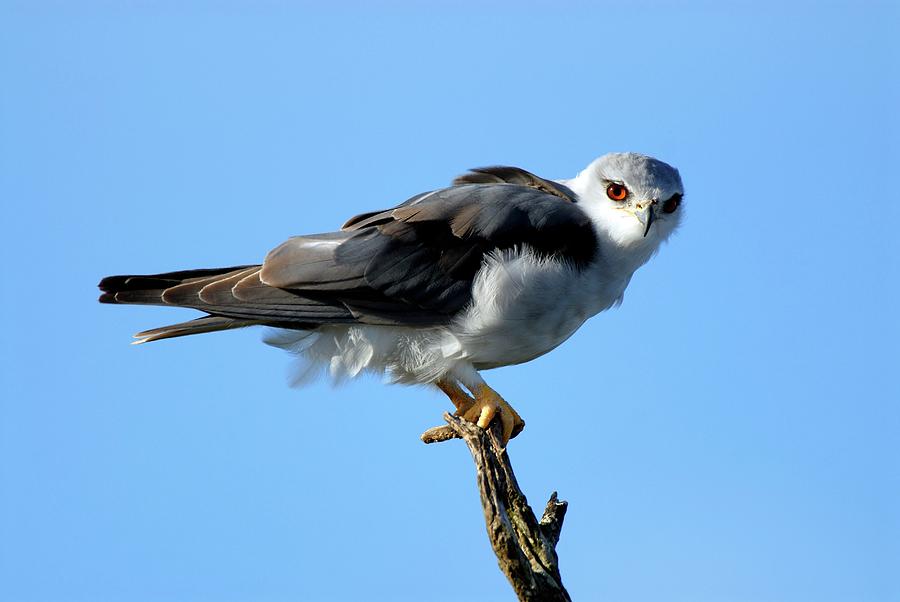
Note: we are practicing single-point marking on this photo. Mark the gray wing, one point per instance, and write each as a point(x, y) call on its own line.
point(413, 264)
point(416, 263)
point(497, 174)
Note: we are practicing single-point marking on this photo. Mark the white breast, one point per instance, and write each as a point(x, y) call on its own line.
point(524, 306)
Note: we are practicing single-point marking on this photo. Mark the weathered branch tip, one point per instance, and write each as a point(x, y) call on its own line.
point(525, 548)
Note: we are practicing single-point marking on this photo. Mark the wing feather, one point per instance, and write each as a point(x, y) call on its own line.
point(421, 257)
point(413, 264)
point(504, 174)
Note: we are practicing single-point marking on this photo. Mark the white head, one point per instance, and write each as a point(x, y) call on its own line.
point(634, 200)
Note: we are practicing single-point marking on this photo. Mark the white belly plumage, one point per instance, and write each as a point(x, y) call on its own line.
point(506, 323)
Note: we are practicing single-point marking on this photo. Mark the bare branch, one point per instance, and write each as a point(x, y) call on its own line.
point(525, 548)
point(552, 520)
point(437, 434)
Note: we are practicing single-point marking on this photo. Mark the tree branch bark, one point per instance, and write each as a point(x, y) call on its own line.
point(525, 547)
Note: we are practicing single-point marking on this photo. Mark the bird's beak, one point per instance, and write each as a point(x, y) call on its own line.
point(645, 214)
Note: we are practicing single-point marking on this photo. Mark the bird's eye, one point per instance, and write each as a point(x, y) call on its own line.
point(672, 204)
point(616, 192)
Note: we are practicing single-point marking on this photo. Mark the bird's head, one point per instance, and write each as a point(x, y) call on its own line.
point(634, 200)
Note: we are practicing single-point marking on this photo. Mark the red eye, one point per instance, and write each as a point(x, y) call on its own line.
point(672, 204)
point(616, 192)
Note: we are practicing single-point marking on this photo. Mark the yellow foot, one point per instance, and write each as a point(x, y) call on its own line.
point(486, 406)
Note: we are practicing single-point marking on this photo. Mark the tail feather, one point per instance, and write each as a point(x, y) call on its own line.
point(194, 290)
point(149, 289)
point(233, 297)
point(198, 326)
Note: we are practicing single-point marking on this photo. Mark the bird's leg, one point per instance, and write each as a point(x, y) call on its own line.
point(483, 408)
point(486, 406)
point(461, 400)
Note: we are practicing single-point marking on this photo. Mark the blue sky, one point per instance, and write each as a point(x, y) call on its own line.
point(729, 434)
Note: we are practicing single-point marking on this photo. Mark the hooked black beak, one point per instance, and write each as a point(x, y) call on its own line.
point(646, 215)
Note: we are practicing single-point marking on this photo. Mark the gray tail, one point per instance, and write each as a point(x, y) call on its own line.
point(198, 326)
point(149, 289)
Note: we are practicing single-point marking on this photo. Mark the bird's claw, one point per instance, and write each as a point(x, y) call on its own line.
point(483, 408)
point(488, 405)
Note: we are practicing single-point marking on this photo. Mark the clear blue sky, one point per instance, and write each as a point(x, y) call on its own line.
point(731, 433)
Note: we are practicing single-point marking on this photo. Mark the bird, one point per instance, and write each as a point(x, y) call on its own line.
point(497, 269)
